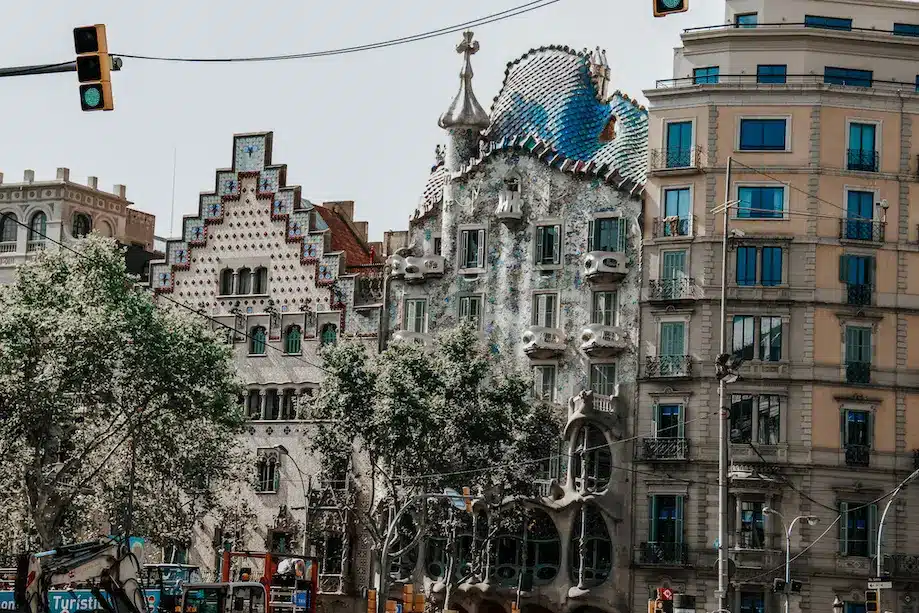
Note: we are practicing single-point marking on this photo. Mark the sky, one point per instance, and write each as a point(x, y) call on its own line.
point(359, 127)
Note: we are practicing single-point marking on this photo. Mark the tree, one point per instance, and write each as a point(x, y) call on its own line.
point(427, 419)
point(97, 379)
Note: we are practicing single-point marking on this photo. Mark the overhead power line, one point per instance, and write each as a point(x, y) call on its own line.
point(494, 17)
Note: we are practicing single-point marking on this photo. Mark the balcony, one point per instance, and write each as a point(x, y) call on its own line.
point(859, 294)
point(858, 455)
point(540, 343)
point(418, 338)
point(36, 245)
point(790, 82)
point(862, 230)
point(858, 372)
point(599, 341)
point(671, 290)
point(676, 160)
point(902, 565)
point(416, 269)
point(673, 226)
point(663, 366)
point(665, 449)
point(863, 160)
point(8, 247)
point(662, 554)
point(605, 266)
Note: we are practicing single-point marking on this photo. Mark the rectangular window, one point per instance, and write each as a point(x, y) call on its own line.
point(762, 134)
point(472, 248)
point(856, 270)
point(606, 234)
point(548, 244)
point(756, 418)
point(676, 212)
point(545, 307)
point(856, 428)
point(772, 266)
point(679, 144)
point(437, 243)
point(470, 309)
point(603, 379)
point(862, 154)
point(669, 421)
point(848, 76)
point(746, 266)
point(752, 602)
point(604, 308)
point(858, 529)
point(544, 382)
point(828, 23)
point(666, 519)
point(770, 339)
point(771, 73)
point(673, 265)
point(745, 20)
point(708, 75)
point(416, 316)
point(761, 202)
point(752, 525)
point(859, 223)
point(906, 29)
point(672, 338)
point(858, 344)
point(743, 336)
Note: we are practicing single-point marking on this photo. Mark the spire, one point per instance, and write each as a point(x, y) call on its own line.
point(465, 111)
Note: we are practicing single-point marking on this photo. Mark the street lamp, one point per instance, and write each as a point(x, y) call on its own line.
point(812, 520)
point(306, 502)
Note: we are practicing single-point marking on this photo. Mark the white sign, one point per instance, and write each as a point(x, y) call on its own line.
point(880, 585)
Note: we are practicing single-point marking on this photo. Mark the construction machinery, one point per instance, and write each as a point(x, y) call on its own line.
point(226, 597)
point(291, 581)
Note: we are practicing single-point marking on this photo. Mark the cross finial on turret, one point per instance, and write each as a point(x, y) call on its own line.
point(465, 111)
point(468, 46)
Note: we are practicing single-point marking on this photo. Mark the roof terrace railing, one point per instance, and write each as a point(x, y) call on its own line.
point(790, 80)
point(787, 26)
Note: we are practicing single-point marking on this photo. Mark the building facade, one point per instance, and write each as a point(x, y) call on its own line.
point(282, 277)
point(814, 102)
point(34, 215)
point(528, 227)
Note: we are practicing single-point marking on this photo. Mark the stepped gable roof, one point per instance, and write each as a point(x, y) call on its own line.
point(549, 105)
point(344, 238)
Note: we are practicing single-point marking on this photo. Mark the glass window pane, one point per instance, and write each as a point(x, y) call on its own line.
point(746, 266)
point(762, 134)
point(771, 73)
point(829, 23)
point(847, 76)
point(741, 418)
point(743, 336)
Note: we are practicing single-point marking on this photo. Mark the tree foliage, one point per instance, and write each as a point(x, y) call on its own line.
point(95, 377)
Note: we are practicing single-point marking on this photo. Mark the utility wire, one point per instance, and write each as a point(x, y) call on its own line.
point(494, 17)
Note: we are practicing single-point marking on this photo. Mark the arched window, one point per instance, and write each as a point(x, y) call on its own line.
point(255, 404)
point(272, 405)
point(593, 459)
point(243, 281)
point(82, 225)
point(592, 565)
point(292, 340)
point(226, 281)
point(260, 280)
point(329, 334)
point(288, 405)
point(8, 228)
point(257, 341)
point(269, 477)
point(38, 227)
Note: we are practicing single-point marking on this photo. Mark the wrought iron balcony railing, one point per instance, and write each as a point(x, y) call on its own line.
point(664, 448)
point(672, 226)
point(864, 160)
point(676, 158)
point(862, 230)
point(858, 455)
point(859, 294)
point(668, 366)
point(662, 554)
point(858, 372)
point(681, 288)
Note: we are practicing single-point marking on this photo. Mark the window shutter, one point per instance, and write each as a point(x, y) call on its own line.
point(870, 418)
point(679, 520)
point(652, 519)
point(843, 268)
point(277, 477)
point(590, 235)
point(655, 420)
point(872, 529)
point(540, 241)
point(844, 528)
point(621, 237)
point(842, 429)
point(557, 245)
point(869, 270)
point(480, 258)
point(681, 421)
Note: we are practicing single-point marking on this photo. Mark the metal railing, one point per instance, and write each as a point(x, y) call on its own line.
point(662, 554)
point(791, 80)
point(862, 230)
point(671, 289)
point(668, 366)
point(902, 565)
point(857, 455)
point(664, 448)
point(780, 25)
point(864, 160)
point(673, 226)
point(675, 159)
point(858, 372)
point(859, 294)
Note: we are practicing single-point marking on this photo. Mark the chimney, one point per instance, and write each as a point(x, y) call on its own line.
point(394, 240)
point(599, 72)
point(120, 191)
point(1, 178)
point(345, 208)
point(28, 176)
point(63, 174)
point(377, 247)
point(92, 182)
point(362, 228)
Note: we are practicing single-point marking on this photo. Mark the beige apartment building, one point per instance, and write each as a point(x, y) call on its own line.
point(815, 102)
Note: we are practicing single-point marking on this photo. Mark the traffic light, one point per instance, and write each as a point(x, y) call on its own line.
point(871, 601)
point(94, 67)
point(662, 8)
point(778, 585)
point(796, 587)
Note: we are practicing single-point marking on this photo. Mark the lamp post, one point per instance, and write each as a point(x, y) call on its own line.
point(306, 501)
point(812, 520)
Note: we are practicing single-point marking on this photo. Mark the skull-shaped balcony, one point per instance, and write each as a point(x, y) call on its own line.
point(605, 266)
point(418, 338)
point(510, 205)
point(540, 343)
point(599, 341)
point(416, 269)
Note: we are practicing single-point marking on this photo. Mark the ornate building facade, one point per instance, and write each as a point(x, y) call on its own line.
point(528, 227)
point(288, 276)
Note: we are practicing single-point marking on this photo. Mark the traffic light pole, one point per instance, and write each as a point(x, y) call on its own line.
point(27, 71)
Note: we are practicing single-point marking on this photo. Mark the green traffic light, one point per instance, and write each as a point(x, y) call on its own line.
point(92, 97)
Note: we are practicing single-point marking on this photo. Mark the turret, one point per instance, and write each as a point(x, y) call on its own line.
point(465, 119)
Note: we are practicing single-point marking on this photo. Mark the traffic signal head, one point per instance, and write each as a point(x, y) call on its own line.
point(778, 585)
point(796, 587)
point(871, 601)
point(93, 68)
point(96, 96)
point(90, 39)
point(662, 8)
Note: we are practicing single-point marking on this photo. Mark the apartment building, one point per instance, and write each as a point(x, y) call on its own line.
point(814, 102)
